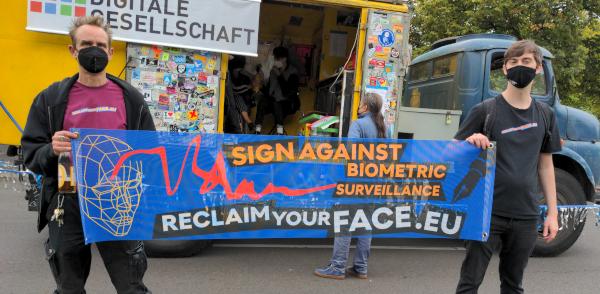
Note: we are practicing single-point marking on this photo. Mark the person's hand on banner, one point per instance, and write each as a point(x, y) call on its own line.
point(479, 140)
point(61, 141)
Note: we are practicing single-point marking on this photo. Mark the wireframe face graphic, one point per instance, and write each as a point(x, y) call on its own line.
point(110, 203)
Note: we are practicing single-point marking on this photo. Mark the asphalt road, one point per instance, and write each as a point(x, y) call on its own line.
point(396, 266)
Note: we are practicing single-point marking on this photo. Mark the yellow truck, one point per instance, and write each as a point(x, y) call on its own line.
point(341, 48)
point(325, 31)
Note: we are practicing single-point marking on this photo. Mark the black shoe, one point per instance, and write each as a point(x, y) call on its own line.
point(351, 271)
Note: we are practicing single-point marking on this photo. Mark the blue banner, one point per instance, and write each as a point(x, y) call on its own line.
point(139, 185)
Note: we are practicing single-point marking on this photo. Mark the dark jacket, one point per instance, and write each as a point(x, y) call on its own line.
point(289, 82)
point(46, 118)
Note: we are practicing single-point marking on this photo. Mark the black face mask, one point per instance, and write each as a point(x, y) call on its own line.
point(520, 76)
point(93, 59)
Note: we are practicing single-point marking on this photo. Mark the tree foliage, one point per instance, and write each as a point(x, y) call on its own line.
point(570, 29)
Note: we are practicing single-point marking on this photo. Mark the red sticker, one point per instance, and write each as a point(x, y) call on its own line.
point(193, 115)
point(373, 81)
point(377, 63)
point(36, 6)
point(79, 11)
point(163, 99)
point(202, 77)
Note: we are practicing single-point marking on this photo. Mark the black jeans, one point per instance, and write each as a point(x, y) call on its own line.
point(70, 258)
point(515, 239)
point(267, 104)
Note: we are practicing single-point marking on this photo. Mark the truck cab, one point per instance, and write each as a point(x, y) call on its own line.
point(443, 85)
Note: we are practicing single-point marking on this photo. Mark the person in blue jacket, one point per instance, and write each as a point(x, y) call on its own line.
point(370, 124)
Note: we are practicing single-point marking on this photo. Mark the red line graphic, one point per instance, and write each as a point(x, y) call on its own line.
point(217, 176)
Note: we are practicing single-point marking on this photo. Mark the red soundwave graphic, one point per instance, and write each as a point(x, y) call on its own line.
point(217, 176)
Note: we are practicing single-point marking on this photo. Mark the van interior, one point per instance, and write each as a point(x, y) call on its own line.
point(320, 41)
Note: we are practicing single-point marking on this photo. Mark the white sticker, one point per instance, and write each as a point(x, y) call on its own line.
point(212, 81)
point(147, 95)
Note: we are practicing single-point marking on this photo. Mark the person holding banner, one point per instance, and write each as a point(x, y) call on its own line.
point(526, 135)
point(90, 99)
point(369, 125)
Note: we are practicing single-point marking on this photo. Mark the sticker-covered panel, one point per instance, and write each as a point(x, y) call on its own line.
point(386, 58)
point(180, 86)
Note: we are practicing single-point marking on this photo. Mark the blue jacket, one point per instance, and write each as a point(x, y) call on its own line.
point(363, 127)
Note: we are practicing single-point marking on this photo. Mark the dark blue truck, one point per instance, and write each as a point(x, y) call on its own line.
point(444, 83)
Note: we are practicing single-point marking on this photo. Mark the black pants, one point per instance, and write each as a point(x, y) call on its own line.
point(267, 104)
point(515, 240)
point(70, 258)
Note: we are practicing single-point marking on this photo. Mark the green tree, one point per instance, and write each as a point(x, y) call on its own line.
point(570, 29)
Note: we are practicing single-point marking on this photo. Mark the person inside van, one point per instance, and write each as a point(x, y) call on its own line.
point(280, 95)
point(238, 97)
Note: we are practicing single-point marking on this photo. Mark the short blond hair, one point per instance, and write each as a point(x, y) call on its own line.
point(94, 20)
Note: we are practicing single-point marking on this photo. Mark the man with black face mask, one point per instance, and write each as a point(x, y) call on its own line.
point(526, 135)
point(90, 99)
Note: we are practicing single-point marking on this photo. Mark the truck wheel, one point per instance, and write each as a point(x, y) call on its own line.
point(568, 192)
point(175, 248)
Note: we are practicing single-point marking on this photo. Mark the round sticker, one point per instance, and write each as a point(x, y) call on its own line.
point(395, 53)
point(386, 38)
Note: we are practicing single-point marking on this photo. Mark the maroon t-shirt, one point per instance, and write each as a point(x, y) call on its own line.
point(96, 107)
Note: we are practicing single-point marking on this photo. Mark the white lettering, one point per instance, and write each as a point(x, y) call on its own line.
point(233, 216)
point(246, 215)
point(455, 228)
point(312, 221)
point(402, 217)
point(359, 221)
point(375, 218)
point(295, 222)
point(263, 213)
point(196, 219)
point(185, 221)
point(168, 222)
point(338, 221)
point(432, 219)
point(279, 217)
point(215, 221)
point(324, 218)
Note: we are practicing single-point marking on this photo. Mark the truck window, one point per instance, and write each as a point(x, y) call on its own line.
point(419, 72)
point(431, 84)
point(498, 79)
point(444, 66)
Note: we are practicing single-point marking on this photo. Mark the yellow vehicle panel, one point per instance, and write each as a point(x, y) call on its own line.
point(31, 61)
